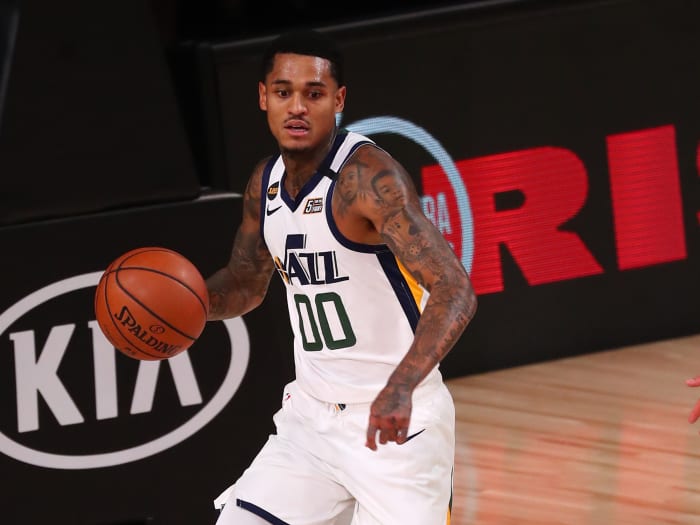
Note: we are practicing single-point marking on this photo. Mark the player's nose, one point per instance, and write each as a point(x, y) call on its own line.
point(297, 105)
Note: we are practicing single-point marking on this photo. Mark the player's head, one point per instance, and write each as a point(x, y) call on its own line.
point(309, 43)
point(302, 90)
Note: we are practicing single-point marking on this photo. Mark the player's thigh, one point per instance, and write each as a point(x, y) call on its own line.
point(410, 483)
point(286, 484)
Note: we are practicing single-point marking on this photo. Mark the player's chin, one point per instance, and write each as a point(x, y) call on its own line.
point(296, 146)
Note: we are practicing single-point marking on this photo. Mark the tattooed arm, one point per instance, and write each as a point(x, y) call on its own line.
point(241, 285)
point(386, 200)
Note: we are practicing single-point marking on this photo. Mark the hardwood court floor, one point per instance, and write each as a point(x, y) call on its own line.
point(599, 439)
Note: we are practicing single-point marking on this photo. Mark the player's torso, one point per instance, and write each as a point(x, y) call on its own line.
point(352, 308)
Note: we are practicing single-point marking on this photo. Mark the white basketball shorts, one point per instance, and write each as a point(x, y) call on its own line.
point(317, 471)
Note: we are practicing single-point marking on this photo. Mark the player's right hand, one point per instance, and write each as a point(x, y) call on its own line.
point(390, 414)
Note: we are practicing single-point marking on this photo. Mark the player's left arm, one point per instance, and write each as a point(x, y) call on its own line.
point(392, 204)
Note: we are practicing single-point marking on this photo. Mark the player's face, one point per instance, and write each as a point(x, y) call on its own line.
point(301, 99)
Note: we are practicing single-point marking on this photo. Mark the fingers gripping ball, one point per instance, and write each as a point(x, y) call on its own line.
point(151, 303)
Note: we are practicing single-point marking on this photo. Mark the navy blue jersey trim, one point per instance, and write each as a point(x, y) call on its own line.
point(401, 289)
point(260, 512)
point(353, 149)
point(307, 188)
point(337, 142)
point(350, 245)
point(267, 170)
point(386, 260)
point(322, 171)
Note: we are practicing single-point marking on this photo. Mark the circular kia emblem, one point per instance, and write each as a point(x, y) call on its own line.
point(238, 344)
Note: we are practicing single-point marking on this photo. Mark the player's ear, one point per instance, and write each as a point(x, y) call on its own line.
point(340, 99)
point(262, 96)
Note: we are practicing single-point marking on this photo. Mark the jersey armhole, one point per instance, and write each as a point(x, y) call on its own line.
point(267, 170)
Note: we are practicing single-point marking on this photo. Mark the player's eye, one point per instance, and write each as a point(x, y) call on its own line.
point(315, 94)
point(283, 93)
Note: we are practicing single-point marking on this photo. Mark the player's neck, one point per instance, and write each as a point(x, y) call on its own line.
point(300, 166)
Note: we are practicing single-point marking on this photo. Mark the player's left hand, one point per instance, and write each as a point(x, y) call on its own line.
point(389, 415)
point(695, 413)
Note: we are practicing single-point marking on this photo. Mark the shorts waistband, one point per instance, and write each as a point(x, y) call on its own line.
point(425, 389)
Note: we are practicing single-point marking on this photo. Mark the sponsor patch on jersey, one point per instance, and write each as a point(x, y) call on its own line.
point(273, 190)
point(314, 205)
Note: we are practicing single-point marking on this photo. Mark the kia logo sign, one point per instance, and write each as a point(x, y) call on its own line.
point(39, 375)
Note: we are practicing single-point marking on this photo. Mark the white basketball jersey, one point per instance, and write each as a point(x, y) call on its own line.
point(352, 307)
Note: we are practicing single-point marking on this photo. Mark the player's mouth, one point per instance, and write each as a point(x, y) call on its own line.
point(296, 127)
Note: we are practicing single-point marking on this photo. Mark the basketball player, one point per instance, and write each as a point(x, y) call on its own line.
point(376, 300)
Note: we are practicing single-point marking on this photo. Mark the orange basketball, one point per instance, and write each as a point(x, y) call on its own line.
point(151, 303)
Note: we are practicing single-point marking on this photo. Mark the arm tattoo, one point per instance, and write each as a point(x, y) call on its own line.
point(348, 185)
point(242, 284)
point(425, 253)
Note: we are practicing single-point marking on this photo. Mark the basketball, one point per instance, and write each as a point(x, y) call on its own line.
point(151, 303)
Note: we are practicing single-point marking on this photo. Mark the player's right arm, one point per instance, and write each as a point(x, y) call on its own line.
point(241, 285)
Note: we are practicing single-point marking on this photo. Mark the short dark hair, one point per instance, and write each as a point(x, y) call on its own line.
point(305, 42)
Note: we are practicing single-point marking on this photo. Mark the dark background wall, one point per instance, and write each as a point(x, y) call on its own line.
point(554, 144)
point(108, 93)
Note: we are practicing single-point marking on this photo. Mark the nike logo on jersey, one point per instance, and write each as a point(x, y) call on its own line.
point(409, 438)
point(269, 211)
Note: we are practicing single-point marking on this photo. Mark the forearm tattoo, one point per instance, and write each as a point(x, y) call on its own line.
point(425, 253)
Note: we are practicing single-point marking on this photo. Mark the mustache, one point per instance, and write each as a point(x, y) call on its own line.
point(296, 119)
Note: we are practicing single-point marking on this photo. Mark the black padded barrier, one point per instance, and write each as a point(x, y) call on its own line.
point(90, 121)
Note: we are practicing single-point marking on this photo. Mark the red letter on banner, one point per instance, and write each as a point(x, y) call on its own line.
point(554, 184)
point(646, 197)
